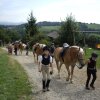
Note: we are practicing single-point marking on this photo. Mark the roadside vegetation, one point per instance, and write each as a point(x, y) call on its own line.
point(88, 55)
point(14, 84)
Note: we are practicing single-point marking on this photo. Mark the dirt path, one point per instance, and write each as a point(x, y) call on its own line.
point(59, 89)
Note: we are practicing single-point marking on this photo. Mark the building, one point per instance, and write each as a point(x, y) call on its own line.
point(53, 35)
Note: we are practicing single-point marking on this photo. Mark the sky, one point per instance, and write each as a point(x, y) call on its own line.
point(87, 11)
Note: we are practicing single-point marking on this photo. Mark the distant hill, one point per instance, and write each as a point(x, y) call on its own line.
point(10, 23)
point(46, 26)
point(82, 26)
point(46, 23)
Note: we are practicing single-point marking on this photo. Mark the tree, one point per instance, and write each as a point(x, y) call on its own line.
point(31, 26)
point(68, 31)
point(26, 38)
point(9, 35)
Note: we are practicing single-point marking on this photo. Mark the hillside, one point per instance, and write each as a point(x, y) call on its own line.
point(94, 26)
point(51, 26)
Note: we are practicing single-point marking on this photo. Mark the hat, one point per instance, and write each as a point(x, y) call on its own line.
point(65, 45)
point(46, 48)
point(94, 55)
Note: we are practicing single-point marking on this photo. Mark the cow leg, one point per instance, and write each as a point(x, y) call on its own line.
point(67, 67)
point(72, 70)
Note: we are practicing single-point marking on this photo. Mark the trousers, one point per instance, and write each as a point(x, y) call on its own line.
point(45, 72)
point(89, 73)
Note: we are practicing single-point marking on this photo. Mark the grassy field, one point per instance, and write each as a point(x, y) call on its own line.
point(93, 26)
point(88, 55)
point(14, 84)
point(49, 28)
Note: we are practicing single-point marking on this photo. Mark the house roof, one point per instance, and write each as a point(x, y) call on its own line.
point(53, 34)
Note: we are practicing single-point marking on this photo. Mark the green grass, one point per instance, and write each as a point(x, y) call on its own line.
point(14, 84)
point(88, 55)
point(48, 28)
point(93, 26)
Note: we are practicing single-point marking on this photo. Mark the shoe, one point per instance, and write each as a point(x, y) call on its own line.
point(87, 88)
point(92, 87)
point(44, 90)
point(43, 84)
point(47, 85)
point(48, 89)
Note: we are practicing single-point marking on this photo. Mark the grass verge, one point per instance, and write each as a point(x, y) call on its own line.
point(14, 84)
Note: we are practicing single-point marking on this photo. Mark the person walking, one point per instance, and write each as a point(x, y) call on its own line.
point(91, 70)
point(27, 48)
point(16, 47)
point(45, 62)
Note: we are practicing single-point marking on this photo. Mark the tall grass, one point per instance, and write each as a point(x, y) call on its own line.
point(14, 84)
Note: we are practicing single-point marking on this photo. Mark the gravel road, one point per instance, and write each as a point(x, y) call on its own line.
point(59, 88)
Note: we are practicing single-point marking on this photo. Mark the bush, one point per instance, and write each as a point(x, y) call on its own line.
point(92, 40)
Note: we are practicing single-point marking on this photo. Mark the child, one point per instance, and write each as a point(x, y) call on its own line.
point(91, 70)
point(45, 61)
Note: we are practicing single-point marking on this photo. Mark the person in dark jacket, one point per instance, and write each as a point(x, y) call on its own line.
point(27, 48)
point(45, 62)
point(91, 70)
point(16, 47)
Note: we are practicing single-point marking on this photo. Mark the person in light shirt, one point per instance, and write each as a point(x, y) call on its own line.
point(45, 62)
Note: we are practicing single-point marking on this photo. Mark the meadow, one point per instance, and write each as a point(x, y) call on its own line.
point(56, 28)
point(49, 28)
point(94, 26)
